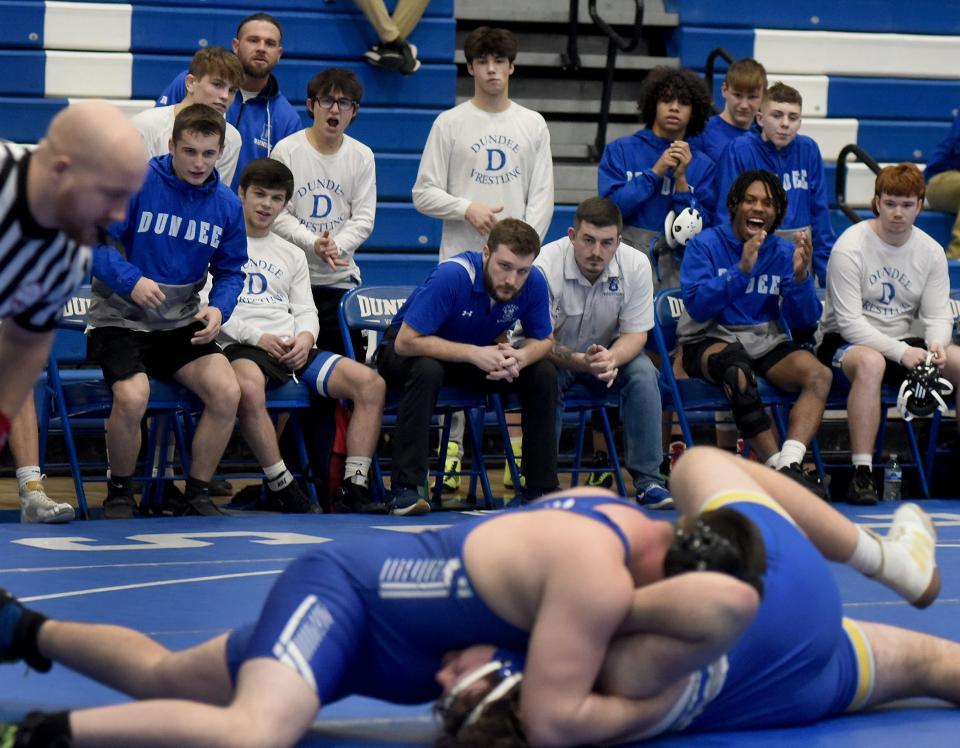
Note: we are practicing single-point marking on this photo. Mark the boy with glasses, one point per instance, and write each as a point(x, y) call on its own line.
point(335, 195)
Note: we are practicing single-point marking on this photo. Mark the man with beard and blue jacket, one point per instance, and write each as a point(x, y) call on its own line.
point(145, 318)
point(796, 160)
point(260, 112)
point(741, 283)
point(655, 170)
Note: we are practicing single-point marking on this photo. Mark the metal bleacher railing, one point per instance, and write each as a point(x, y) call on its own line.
point(615, 44)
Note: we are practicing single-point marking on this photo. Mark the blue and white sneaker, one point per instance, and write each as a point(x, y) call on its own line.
point(407, 502)
point(654, 496)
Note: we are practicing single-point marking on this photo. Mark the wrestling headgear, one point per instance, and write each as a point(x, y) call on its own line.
point(723, 541)
point(507, 665)
point(680, 228)
point(923, 391)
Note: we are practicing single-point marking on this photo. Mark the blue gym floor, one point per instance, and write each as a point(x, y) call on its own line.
point(185, 580)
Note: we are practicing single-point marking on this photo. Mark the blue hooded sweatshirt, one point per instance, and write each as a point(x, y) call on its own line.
point(174, 231)
point(715, 288)
point(626, 176)
point(799, 166)
point(262, 121)
point(946, 154)
point(715, 138)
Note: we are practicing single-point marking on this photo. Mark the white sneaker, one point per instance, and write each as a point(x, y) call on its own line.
point(909, 565)
point(36, 506)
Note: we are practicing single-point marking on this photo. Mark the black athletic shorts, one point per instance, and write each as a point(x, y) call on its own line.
point(275, 373)
point(834, 344)
point(693, 354)
point(122, 353)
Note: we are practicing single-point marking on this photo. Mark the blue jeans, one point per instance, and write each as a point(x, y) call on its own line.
point(640, 412)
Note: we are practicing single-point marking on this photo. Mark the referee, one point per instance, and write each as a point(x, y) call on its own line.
point(53, 200)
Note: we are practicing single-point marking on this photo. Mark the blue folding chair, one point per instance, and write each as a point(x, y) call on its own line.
point(82, 393)
point(579, 404)
point(837, 400)
point(372, 308)
point(684, 396)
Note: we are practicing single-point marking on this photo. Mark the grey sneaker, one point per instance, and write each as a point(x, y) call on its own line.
point(36, 506)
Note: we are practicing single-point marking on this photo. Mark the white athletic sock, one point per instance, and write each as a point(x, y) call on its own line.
point(357, 469)
point(28, 473)
point(867, 557)
point(862, 460)
point(277, 476)
point(773, 461)
point(275, 471)
point(791, 452)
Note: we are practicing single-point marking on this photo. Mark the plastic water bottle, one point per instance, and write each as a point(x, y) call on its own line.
point(892, 480)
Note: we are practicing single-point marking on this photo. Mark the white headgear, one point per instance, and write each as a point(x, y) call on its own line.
point(680, 228)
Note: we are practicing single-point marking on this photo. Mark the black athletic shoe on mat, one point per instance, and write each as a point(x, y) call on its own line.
point(862, 490)
point(810, 481)
point(355, 498)
point(288, 500)
point(220, 487)
point(196, 505)
point(120, 506)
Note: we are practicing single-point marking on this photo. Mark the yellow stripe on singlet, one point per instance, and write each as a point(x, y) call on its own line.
point(866, 668)
point(740, 496)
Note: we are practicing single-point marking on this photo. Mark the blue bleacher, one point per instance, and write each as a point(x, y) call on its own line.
point(24, 119)
point(877, 16)
point(183, 30)
point(397, 112)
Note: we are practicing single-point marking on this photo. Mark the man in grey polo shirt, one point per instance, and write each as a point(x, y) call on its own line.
point(601, 302)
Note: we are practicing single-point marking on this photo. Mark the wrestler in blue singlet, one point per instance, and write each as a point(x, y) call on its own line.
point(375, 619)
point(799, 661)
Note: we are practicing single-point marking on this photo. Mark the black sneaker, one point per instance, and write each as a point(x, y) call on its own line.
point(18, 634)
point(352, 497)
point(862, 490)
point(530, 493)
point(220, 487)
point(810, 481)
point(288, 500)
point(601, 477)
point(196, 505)
point(386, 56)
point(120, 506)
point(410, 62)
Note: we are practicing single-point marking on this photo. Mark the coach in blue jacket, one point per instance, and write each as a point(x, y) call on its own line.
point(453, 330)
point(261, 114)
point(145, 314)
point(743, 288)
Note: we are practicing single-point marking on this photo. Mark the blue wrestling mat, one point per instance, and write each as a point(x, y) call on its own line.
point(186, 580)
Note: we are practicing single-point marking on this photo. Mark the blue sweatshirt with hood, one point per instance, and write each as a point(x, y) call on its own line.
point(173, 233)
point(262, 121)
point(626, 176)
point(715, 288)
point(799, 166)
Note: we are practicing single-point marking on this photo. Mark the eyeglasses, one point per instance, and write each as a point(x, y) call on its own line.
point(327, 102)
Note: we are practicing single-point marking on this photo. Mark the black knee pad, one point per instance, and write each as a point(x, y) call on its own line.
point(748, 411)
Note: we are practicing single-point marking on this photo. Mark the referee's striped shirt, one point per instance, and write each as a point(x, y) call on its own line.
point(39, 268)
